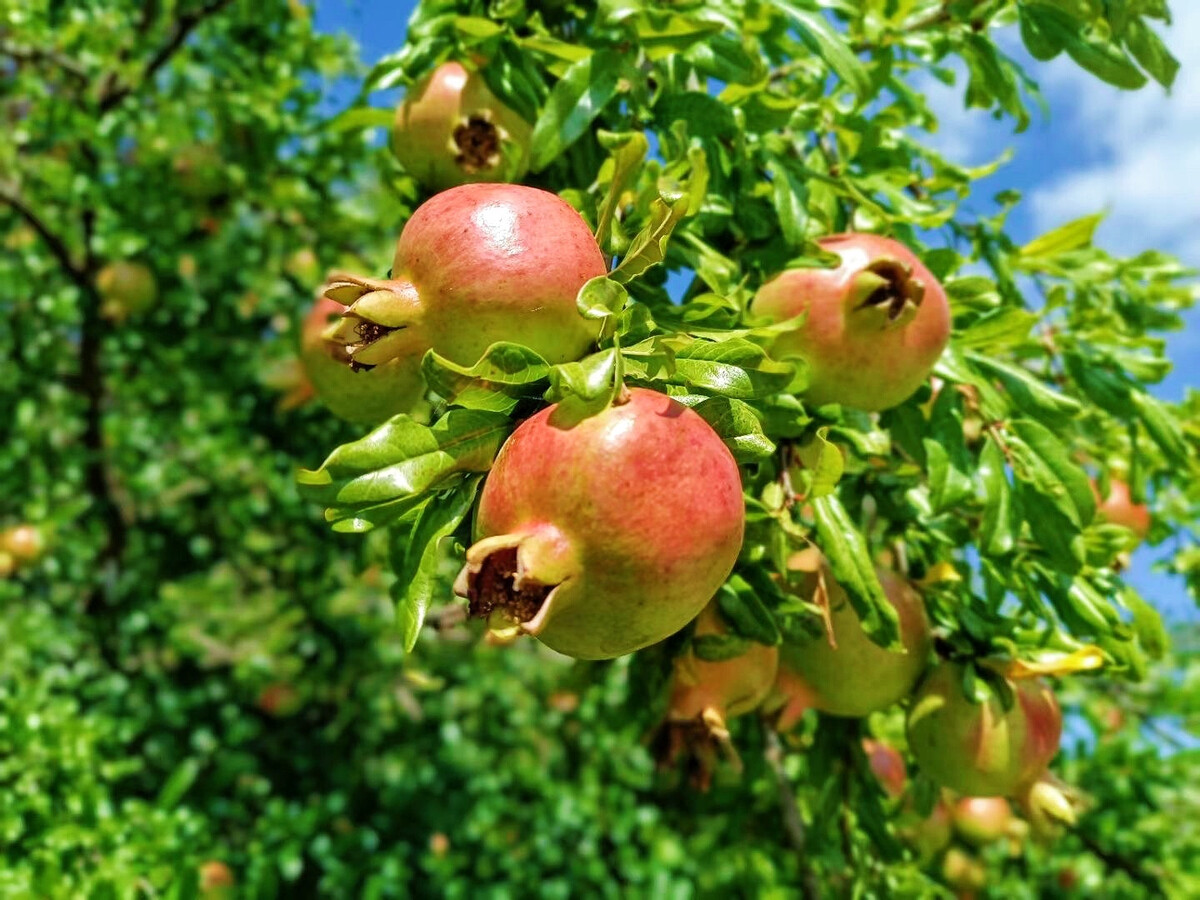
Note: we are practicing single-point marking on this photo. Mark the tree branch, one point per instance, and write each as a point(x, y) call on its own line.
point(793, 822)
point(57, 246)
point(114, 92)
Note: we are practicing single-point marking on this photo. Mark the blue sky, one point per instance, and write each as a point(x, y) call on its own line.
point(1135, 156)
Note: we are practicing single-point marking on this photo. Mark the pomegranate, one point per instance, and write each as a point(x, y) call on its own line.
point(715, 691)
point(604, 536)
point(981, 749)
point(874, 327)
point(982, 820)
point(888, 766)
point(199, 172)
point(475, 265)
point(24, 543)
point(928, 836)
point(451, 130)
point(278, 699)
point(858, 676)
point(216, 879)
point(126, 289)
point(1049, 804)
point(364, 397)
point(1118, 508)
point(791, 696)
point(963, 872)
point(8, 564)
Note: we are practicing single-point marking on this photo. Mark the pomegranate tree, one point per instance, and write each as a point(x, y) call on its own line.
point(451, 130)
point(475, 265)
point(606, 535)
point(874, 326)
point(982, 748)
point(364, 397)
point(849, 674)
point(126, 289)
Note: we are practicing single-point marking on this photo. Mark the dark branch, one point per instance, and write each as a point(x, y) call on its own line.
point(57, 246)
point(114, 92)
point(793, 822)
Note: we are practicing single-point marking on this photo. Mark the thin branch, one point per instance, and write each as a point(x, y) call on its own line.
point(113, 93)
point(793, 822)
point(57, 246)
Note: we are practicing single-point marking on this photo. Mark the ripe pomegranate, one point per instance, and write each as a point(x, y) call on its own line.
point(364, 397)
point(24, 543)
point(875, 325)
point(216, 879)
point(963, 872)
point(451, 130)
point(604, 536)
point(126, 289)
point(715, 691)
point(475, 265)
point(1118, 508)
point(888, 766)
point(858, 676)
point(982, 820)
point(981, 749)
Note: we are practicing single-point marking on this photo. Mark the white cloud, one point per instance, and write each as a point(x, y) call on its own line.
point(1148, 175)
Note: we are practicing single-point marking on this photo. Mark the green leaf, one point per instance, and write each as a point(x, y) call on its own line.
point(1163, 429)
point(1106, 61)
point(1054, 532)
point(664, 35)
point(650, 246)
point(476, 28)
point(738, 426)
point(360, 117)
point(703, 114)
point(719, 647)
point(374, 480)
point(998, 530)
point(1029, 395)
point(601, 298)
point(586, 387)
point(627, 150)
point(742, 607)
point(791, 195)
point(733, 368)
point(823, 464)
point(830, 45)
point(1147, 625)
point(505, 375)
point(727, 59)
point(997, 329)
point(417, 576)
point(574, 104)
point(850, 560)
point(1040, 459)
point(1074, 235)
point(1043, 40)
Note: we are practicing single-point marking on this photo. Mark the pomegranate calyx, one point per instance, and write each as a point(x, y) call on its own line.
point(477, 142)
point(381, 321)
point(887, 285)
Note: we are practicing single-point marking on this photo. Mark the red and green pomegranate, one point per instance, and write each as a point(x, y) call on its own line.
point(857, 676)
point(982, 749)
point(874, 326)
point(714, 692)
point(606, 535)
point(887, 765)
point(363, 397)
point(451, 130)
point(982, 820)
point(126, 289)
point(1119, 508)
point(475, 265)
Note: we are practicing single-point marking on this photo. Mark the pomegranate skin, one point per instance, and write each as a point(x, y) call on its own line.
point(452, 130)
point(729, 687)
point(1118, 508)
point(791, 696)
point(608, 535)
point(475, 265)
point(860, 677)
point(362, 398)
point(982, 820)
point(126, 289)
point(980, 750)
point(1043, 731)
point(875, 325)
point(887, 765)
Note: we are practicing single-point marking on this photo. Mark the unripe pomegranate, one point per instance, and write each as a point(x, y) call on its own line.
point(216, 879)
point(875, 325)
point(982, 820)
point(928, 836)
point(717, 691)
point(858, 676)
point(887, 765)
point(604, 536)
point(963, 872)
point(451, 130)
point(980, 749)
point(126, 289)
point(1118, 508)
point(25, 543)
point(364, 397)
point(475, 265)
point(199, 172)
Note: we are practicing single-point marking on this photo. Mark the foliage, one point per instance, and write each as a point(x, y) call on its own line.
point(189, 580)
